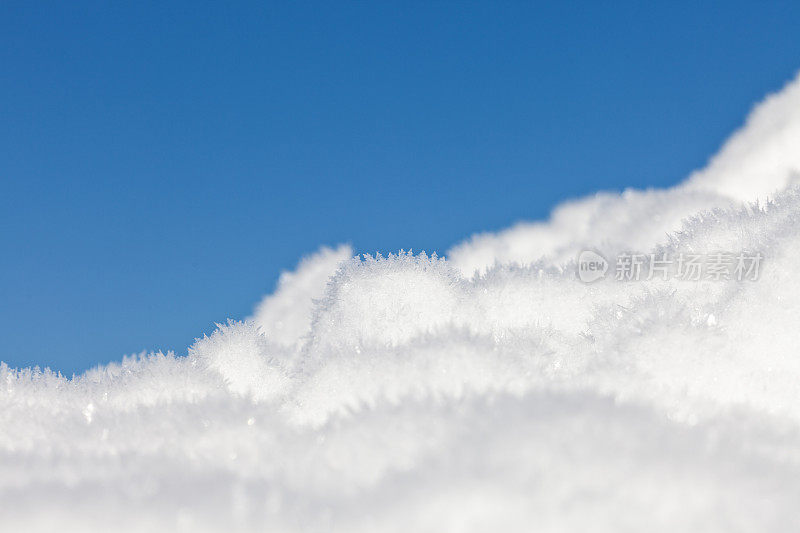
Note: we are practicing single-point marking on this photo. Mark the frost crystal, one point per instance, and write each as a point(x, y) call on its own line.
point(494, 390)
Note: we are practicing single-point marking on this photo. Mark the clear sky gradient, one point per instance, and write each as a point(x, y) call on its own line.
point(161, 163)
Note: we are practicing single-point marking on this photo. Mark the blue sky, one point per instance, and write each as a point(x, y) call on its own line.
point(161, 163)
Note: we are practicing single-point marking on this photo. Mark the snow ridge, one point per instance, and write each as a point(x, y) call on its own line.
point(490, 390)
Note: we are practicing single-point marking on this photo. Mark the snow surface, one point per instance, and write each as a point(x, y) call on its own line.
point(492, 391)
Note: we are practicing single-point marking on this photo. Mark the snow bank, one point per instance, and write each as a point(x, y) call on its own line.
point(493, 390)
point(758, 161)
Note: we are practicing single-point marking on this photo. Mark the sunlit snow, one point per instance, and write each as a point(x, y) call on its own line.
point(488, 391)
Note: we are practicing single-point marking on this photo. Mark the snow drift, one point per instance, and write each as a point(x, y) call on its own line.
point(492, 390)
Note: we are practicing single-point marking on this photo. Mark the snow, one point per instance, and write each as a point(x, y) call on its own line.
point(492, 390)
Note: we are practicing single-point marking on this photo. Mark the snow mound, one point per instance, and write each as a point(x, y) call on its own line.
point(758, 161)
point(493, 390)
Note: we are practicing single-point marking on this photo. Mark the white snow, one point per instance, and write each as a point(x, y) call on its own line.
point(492, 391)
